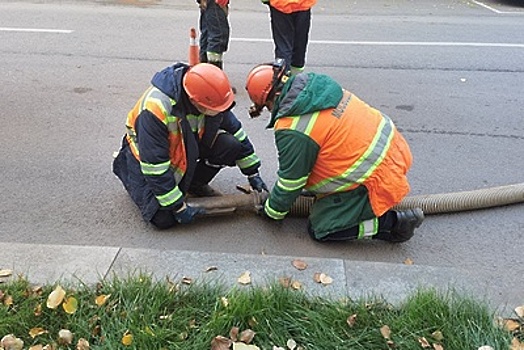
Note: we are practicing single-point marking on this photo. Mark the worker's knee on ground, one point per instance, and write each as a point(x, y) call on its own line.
point(163, 220)
point(226, 150)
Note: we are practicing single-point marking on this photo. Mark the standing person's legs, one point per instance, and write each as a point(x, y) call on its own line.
point(302, 23)
point(203, 37)
point(283, 31)
point(217, 33)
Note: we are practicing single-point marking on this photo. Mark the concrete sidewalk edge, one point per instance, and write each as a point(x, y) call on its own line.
point(48, 264)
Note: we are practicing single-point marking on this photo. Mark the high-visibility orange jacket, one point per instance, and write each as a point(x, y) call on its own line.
point(331, 142)
point(289, 6)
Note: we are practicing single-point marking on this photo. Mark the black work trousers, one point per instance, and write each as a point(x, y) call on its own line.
point(290, 35)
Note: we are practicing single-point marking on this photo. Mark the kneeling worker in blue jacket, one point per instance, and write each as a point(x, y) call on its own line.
point(180, 133)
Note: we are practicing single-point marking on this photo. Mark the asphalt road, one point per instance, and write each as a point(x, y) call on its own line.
point(449, 73)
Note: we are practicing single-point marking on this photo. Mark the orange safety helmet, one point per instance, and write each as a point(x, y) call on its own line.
point(263, 82)
point(259, 83)
point(208, 86)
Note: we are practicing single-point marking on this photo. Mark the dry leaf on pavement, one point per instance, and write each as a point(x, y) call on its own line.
point(322, 278)
point(299, 264)
point(519, 310)
point(5, 273)
point(245, 278)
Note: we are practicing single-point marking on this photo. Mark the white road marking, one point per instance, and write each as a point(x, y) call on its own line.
point(394, 43)
point(36, 30)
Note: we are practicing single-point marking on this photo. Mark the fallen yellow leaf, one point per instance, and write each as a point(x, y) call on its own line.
point(285, 281)
point(36, 347)
point(511, 325)
point(408, 261)
point(322, 278)
point(56, 297)
point(516, 344)
point(437, 335)
point(70, 305)
point(224, 301)
point(38, 310)
point(245, 278)
point(82, 344)
point(438, 346)
point(5, 273)
point(127, 338)
point(519, 310)
point(8, 300)
point(296, 285)
point(101, 299)
point(34, 332)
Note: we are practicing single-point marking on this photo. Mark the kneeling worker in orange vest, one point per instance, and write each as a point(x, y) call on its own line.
point(180, 133)
point(336, 147)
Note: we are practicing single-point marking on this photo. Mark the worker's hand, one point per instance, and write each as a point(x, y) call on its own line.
point(256, 183)
point(222, 3)
point(186, 214)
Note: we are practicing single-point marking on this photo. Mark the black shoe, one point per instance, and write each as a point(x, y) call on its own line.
point(203, 191)
point(407, 221)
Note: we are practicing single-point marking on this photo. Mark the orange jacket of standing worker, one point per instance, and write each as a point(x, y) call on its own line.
point(289, 6)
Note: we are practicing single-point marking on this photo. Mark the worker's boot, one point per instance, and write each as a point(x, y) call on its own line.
point(407, 221)
point(204, 173)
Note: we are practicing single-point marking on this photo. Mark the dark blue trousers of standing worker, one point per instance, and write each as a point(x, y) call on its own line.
point(214, 30)
point(290, 35)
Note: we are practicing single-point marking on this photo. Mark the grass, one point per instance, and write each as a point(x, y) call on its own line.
point(149, 314)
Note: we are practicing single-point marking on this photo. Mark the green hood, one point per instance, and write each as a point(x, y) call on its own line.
point(306, 93)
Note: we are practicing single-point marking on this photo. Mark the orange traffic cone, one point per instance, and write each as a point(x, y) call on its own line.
point(193, 48)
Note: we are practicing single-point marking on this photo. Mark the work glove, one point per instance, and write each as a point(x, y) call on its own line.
point(186, 214)
point(222, 3)
point(256, 183)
